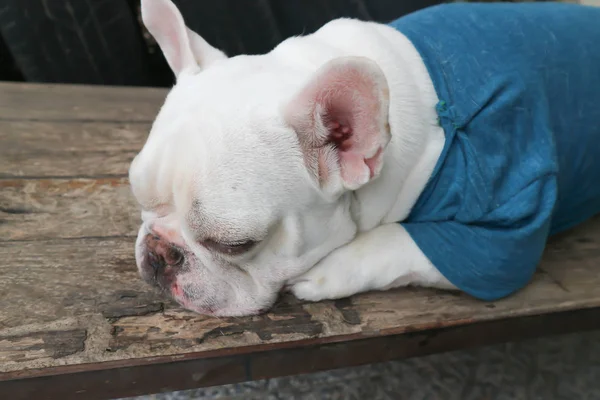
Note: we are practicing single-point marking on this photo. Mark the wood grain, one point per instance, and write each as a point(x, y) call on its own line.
point(55, 208)
point(51, 344)
point(68, 149)
point(45, 281)
point(36, 102)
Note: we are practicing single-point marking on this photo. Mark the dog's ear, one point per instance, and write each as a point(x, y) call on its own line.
point(183, 48)
point(341, 118)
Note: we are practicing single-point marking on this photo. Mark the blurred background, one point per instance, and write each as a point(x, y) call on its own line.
point(103, 42)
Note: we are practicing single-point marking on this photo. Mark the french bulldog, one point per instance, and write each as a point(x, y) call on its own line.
point(367, 156)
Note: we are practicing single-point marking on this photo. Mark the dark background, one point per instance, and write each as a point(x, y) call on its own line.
point(103, 42)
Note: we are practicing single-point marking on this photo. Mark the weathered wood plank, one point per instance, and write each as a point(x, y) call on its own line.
point(52, 344)
point(116, 379)
point(65, 164)
point(70, 286)
point(53, 280)
point(32, 137)
point(26, 101)
point(56, 208)
point(70, 149)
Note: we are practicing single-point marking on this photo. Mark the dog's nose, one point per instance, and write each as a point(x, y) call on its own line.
point(161, 253)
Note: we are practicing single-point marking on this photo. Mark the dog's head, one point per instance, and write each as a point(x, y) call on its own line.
point(245, 177)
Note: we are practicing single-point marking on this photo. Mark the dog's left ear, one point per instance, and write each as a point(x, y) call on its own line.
point(183, 48)
point(341, 118)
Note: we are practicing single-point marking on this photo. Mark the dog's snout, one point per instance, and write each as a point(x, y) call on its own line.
point(161, 253)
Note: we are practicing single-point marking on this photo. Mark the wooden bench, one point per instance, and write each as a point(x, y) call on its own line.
point(77, 322)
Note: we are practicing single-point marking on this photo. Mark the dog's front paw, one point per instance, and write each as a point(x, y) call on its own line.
point(307, 290)
point(330, 279)
point(314, 288)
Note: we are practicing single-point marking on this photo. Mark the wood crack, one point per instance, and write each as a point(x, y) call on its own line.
point(553, 279)
point(17, 210)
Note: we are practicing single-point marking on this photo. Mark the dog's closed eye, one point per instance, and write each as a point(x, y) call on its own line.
point(229, 248)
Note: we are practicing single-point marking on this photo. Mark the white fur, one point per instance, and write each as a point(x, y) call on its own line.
point(382, 258)
point(222, 162)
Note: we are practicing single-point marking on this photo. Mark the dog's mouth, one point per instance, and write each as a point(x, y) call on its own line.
point(167, 284)
point(178, 291)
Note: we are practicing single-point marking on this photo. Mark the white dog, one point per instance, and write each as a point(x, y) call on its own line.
point(292, 169)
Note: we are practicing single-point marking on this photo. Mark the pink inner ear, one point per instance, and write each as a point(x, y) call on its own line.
point(346, 106)
point(345, 143)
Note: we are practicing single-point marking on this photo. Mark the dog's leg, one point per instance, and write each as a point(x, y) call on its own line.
point(380, 259)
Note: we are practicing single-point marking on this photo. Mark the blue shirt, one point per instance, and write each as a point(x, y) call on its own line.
point(519, 90)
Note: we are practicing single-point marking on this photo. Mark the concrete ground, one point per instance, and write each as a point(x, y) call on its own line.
point(563, 367)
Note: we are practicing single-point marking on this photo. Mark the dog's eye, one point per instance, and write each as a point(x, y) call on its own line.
point(232, 248)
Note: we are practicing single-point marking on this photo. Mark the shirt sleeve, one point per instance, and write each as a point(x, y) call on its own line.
point(498, 254)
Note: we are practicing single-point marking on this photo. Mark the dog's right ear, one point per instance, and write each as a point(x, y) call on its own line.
point(183, 48)
point(342, 122)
